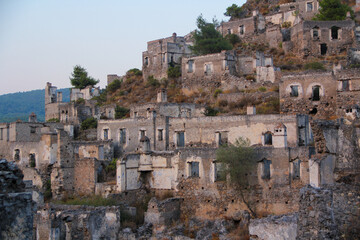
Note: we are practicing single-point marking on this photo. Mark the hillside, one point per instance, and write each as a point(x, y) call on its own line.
point(14, 106)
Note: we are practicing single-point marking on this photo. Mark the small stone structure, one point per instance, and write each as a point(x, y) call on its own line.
point(163, 212)
point(162, 54)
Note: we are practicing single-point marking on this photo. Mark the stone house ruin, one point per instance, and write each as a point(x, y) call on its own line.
point(244, 28)
point(322, 38)
point(330, 94)
point(163, 53)
point(80, 107)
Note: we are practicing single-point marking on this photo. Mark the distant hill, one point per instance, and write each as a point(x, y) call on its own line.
point(14, 106)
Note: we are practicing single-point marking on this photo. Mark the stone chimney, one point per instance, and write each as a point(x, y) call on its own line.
point(174, 37)
point(32, 117)
point(280, 136)
point(348, 15)
point(251, 110)
point(162, 95)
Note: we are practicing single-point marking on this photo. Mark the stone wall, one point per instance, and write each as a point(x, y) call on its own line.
point(329, 213)
point(306, 43)
point(304, 102)
point(16, 205)
point(77, 222)
point(281, 227)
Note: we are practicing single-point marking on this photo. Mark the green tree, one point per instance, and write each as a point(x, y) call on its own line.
point(237, 164)
point(207, 39)
point(89, 123)
point(121, 112)
point(234, 11)
point(80, 78)
point(332, 10)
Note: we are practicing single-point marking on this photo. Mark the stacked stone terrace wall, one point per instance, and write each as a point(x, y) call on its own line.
point(329, 213)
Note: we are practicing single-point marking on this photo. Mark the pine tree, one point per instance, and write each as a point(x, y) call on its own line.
point(332, 10)
point(80, 78)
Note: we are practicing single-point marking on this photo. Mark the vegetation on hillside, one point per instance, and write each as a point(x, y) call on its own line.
point(80, 78)
point(333, 10)
point(207, 39)
point(14, 106)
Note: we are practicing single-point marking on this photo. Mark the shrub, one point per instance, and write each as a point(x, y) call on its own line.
point(47, 192)
point(121, 112)
point(250, 77)
point(89, 123)
point(262, 89)
point(223, 103)
point(112, 166)
point(80, 101)
point(54, 120)
point(152, 82)
point(314, 66)
point(286, 25)
point(115, 85)
point(233, 39)
point(209, 111)
point(102, 98)
point(134, 72)
point(217, 92)
point(174, 72)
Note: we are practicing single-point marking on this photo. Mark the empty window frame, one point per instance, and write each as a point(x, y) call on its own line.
point(142, 133)
point(219, 173)
point(323, 49)
point(315, 33)
point(309, 6)
point(268, 138)
point(194, 169)
point(208, 69)
point(32, 160)
point(221, 138)
point(294, 91)
point(229, 31)
point(160, 135)
point(266, 173)
point(315, 93)
point(32, 129)
point(146, 61)
point(190, 66)
point(334, 33)
point(122, 136)
point(295, 168)
point(17, 154)
point(345, 85)
point(180, 139)
point(106, 134)
point(242, 30)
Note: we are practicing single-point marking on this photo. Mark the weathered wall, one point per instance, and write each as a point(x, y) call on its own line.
point(329, 213)
point(304, 103)
point(16, 205)
point(77, 222)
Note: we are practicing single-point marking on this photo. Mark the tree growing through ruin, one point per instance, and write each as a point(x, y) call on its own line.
point(333, 10)
point(207, 39)
point(234, 11)
point(237, 164)
point(80, 78)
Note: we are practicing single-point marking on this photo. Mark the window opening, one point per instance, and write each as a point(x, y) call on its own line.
point(294, 91)
point(316, 93)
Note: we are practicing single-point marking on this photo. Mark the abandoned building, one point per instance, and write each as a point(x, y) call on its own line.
point(163, 53)
point(322, 38)
point(330, 94)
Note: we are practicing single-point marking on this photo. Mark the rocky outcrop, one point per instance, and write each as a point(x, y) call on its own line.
point(16, 206)
point(11, 178)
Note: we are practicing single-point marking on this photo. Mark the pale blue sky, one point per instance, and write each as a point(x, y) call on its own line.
point(41, 40)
